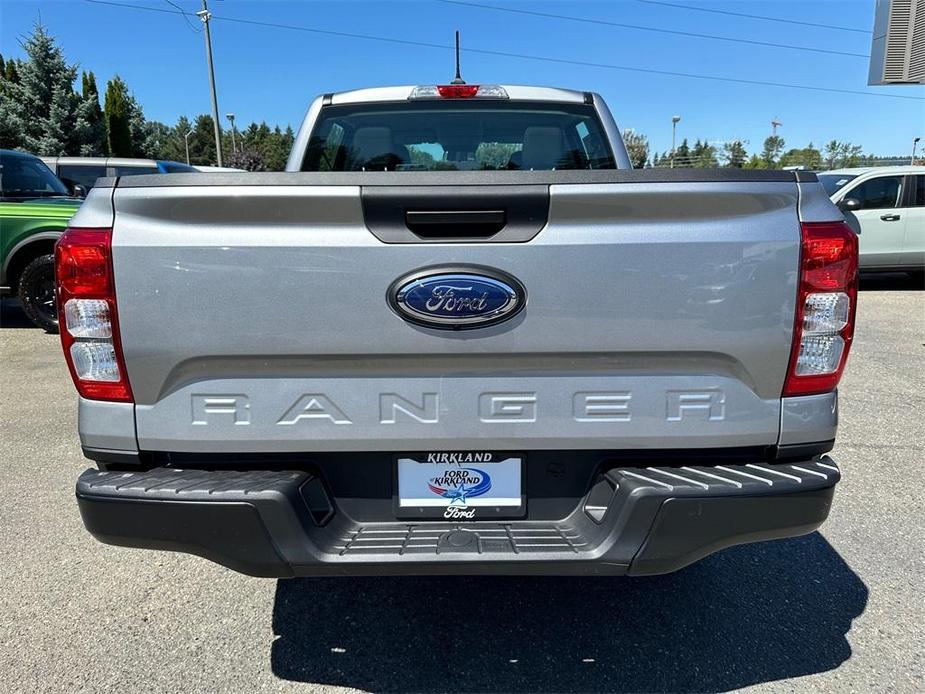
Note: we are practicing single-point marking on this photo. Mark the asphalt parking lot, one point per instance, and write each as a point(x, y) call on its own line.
point(839, 610)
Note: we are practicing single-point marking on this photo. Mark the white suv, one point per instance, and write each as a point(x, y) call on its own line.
point(886, 207)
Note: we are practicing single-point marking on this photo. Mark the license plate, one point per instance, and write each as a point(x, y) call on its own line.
point(460, 485)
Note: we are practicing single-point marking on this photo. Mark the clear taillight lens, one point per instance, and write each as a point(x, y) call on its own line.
point(87, 318)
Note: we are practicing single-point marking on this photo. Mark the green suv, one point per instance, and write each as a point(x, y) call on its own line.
point(34, 210)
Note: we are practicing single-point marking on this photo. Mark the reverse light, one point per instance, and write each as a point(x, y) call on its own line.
point(87, 314)
point(458, 91)
point(826, 305)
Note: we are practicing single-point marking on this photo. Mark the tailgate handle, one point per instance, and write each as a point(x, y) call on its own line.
point(455, 223)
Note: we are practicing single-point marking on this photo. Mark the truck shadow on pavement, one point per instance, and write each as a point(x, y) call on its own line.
point(750, 614)
point(889, 281)
point(12, 316)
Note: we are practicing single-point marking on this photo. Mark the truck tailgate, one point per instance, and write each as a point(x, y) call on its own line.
point(254, 319)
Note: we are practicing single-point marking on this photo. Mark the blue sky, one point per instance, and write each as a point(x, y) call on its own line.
point(268, 73)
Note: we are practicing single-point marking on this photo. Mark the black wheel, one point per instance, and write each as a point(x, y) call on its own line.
point(37, 293)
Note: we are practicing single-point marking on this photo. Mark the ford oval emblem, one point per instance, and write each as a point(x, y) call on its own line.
point(457, 298)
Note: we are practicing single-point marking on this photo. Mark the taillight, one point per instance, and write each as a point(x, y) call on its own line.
point(87, 314)
point(826, 305)
point(458, 91)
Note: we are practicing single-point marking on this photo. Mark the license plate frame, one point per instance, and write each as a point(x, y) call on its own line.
point(413, 499)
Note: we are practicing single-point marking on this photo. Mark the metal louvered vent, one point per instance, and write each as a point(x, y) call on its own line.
point(898, 48)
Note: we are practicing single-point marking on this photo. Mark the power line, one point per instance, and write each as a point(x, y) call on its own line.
point(638, 27)
point(524, 56)
point(185, 17)
point(754, 16)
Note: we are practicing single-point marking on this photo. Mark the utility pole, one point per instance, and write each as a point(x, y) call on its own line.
point(775, 124)
point(205, 16)
point(186, 138)
point(674, 127)
point(234, 144)
point(914, 143)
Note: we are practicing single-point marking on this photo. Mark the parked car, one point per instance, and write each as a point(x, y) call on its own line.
point(459, 335)
point(886, 207)
point(34, 209)
point(83, 171)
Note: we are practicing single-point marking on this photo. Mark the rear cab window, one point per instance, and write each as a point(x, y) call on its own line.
point(458, 135)
point(134, 170)
point(81, 174)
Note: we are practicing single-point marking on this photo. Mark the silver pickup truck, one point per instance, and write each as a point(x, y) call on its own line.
point(458, 335)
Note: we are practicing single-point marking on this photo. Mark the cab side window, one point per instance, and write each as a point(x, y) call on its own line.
point(884, 192)
point(918, 197)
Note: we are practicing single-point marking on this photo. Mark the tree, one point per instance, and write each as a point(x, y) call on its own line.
point(682, 155)
point(734, 154)
point(703, 155)
point(808, 157)
point(39, 105)
point(90, 126)
point(840, 155)
point(117, 112)
point(756, 162)
point(637, 146)
point(773, 146)
point(13, 68)
point(247, 159)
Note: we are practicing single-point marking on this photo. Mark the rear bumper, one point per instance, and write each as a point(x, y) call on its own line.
point(636, 521)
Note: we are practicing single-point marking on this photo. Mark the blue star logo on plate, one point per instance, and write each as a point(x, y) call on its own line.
point(459, 485)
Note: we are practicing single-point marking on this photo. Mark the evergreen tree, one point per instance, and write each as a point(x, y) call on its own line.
point(773, 146)
point(682, 155)
point(39, 105)
point(12, 71)
point(637, 147)
point(117, 113)
point(703, 156)
point(90, 127)
point(735, 155)
point(174, 147)
point(202, 142)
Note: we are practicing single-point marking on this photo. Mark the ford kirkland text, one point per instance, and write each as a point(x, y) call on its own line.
point(459, 335)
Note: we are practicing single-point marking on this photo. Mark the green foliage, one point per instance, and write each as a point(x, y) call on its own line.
point(118, 113)
point(842, 155)
point(809, 158)
point(637, 147)
point(494, 155)
point(735, 155)
point(38, 111)
point(90, 127)
point(682, 155)
point(703, 156)
point(249, 160)
point(773, 146)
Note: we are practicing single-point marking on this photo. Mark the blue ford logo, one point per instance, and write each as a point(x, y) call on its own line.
point(457, 298)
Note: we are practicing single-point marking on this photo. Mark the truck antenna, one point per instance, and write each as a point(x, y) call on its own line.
point(458, 79)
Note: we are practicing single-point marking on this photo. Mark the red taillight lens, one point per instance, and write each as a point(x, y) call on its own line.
point(457, 91)
point(826, 306)
point(87, 314)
